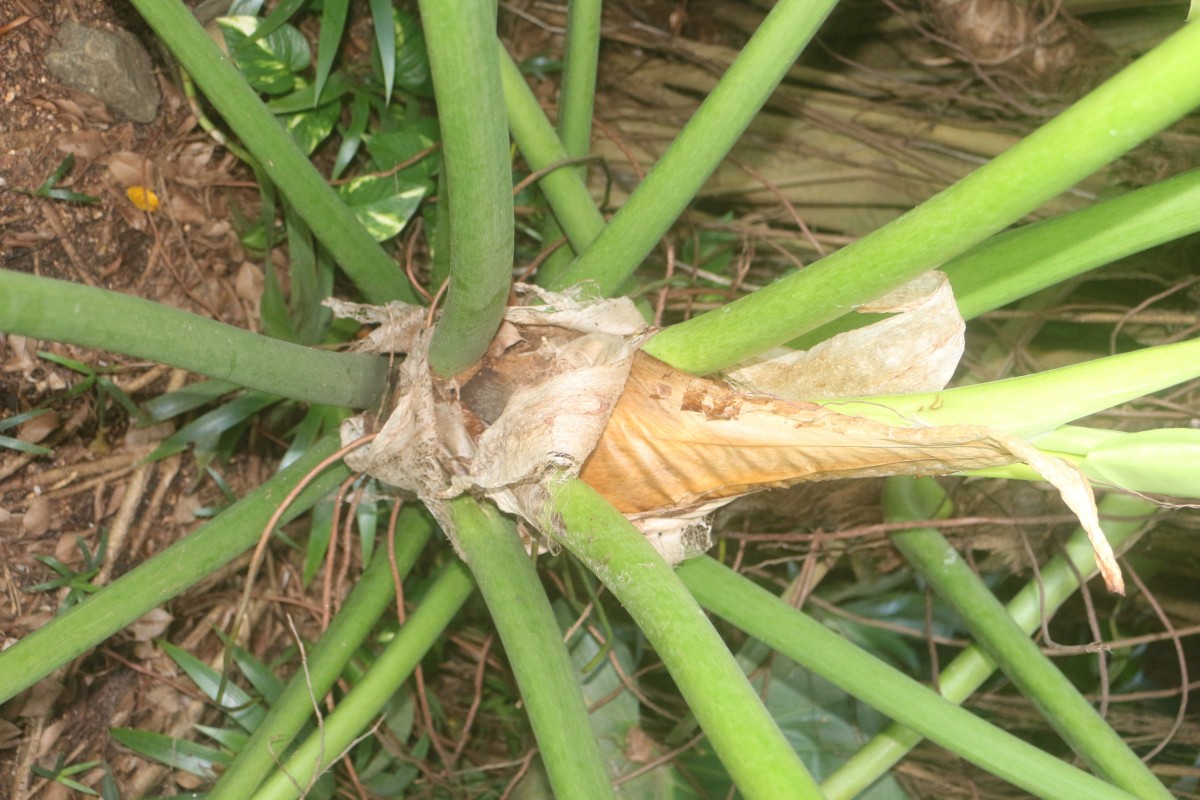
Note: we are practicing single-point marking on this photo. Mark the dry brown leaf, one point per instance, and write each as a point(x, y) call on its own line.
point(38, 428)
point(131, 169)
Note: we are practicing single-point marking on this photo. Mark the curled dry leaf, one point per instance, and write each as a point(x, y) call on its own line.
point(565, 388)
point(916, 350)
point(131, 169)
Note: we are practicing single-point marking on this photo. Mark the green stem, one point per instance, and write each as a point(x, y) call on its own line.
point(809, 643)
point(66, 312)
point(759, 759)
point(358, 710)
point(372, 270)
point(534, 646)
point(166, 575)
point(908, 499)
point(1142, 99)
point(576, 98)
point(324, 662)
point(1123, 518)
point(1034, 405)
point(673, 183)
point(577, 94)
point(461, 38)
point(1021, 262)
point(564, 188)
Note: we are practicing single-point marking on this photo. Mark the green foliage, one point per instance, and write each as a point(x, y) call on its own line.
point(61, 772)
point(106, 390)
point(78, 582)
point(20, 446)
point(52, 191)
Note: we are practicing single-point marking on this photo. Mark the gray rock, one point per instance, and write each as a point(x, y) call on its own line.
point(112, 67)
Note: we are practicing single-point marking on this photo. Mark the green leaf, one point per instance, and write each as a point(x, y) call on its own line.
point(230, 739)
point(49, 186)
point(244, 708)
point(269, 63)
point(24, 447)
point(20, 419)
point(279, 15)
point(360, 114)
point(273, 308)
point(17, 444)
point(305, 95)
point(333, 23)
point(383, 205)
point(320, 533)
point(386, 29)
point(190, 757)
point(264, 681)
point(310, 128)
point(389, 150)
point(311, 280)
point(207, 429)
point(1164, 461)
point(190, 397)
point(412, 62)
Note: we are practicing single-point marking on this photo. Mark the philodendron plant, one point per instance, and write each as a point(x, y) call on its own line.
point(555, 404)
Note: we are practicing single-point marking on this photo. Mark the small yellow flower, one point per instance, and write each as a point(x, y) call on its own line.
point(142, 197)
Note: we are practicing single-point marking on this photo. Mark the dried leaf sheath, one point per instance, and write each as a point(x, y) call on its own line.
point(677, 446)
point(677, 442)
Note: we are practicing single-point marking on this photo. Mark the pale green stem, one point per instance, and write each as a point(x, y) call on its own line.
point(757, 756)
point(810, 644)
point(1123, 518)
point(576, 97)
point(1021, 262)
point(908, 499)
point(699, 148)
point(324, 662)
point(357, 710)
point(534, 646)
point(461, 40)
point(564, 188)
point(59, 311)
point(166, 575)
point(1142, 99)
